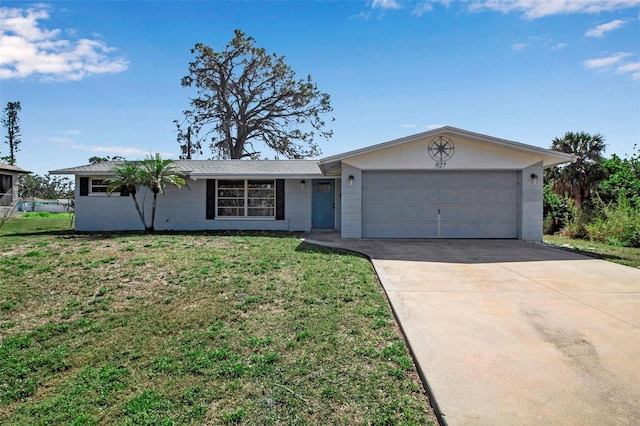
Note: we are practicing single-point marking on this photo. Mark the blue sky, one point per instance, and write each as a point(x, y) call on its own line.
point(103, 78)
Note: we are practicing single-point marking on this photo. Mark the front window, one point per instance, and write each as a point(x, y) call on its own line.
point(99, 186)
point(246, 198)
point(6, 190)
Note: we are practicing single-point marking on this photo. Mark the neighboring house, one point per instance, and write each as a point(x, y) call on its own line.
point(8, 186)
point(444, 183)
point(34, 204)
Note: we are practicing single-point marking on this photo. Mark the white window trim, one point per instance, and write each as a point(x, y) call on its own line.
point(96, 194)
point(246, 203)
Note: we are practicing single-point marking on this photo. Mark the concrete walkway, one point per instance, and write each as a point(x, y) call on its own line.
point(507, 332)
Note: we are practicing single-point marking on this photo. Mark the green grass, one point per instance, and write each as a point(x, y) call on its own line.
point(39, 222)
point(134, 329)
point(624, 255)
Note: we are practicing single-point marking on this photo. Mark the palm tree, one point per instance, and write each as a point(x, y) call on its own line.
point(156, 174)
point(129, 175)
point(576, 180)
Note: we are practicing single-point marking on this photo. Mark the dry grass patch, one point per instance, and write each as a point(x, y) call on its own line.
point(195, 328)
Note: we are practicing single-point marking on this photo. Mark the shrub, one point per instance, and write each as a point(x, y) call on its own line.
point(623, 179)
point(556, 211)
point(618, 225)
point(576, 221)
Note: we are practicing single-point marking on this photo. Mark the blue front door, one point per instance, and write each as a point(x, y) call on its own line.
point(324, 204)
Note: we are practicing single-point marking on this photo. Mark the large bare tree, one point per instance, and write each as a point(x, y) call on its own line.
point(247, 99)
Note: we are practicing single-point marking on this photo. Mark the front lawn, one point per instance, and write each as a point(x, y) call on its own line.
point(195, 329)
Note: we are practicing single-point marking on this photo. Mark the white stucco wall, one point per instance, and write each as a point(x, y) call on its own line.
point(185, 209)
point(351, 204)
point(107, 213)
point(530, 220)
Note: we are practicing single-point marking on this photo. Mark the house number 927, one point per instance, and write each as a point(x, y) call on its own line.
point(441, 165)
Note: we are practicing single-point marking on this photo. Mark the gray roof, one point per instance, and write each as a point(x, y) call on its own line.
point(93, 169)
point(10, 168)
point(271, 168)
point(314, 168)
point(216, 168)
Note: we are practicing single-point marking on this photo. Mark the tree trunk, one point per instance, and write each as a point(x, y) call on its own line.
point(135, 201)
point(153, 212)
point(577, 199)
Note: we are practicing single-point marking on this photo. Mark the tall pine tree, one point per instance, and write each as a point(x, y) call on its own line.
point(11, 122)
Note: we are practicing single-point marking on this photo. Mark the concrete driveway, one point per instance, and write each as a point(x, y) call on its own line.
point(507, 332)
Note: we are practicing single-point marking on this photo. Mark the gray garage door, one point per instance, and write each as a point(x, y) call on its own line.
point(442, 204)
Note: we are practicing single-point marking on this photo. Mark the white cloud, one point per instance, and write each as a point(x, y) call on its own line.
point(53, 140)
point(519, 46)
point(364, 15)
point(633, 68)
point(601, 29)
point(421, 8)
point(529, 9)
point(385, 4)
point(617, 61)
point(120, 150)
point(123, 151)
point(65, 139)
point(606, 61)
point(408, 126)
point(543, 41)
point(534, 9)
point(27, 49)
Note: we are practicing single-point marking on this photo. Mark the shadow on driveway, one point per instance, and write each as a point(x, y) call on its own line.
point(444, 250)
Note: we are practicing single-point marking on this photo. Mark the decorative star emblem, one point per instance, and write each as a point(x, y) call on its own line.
point(441, 148)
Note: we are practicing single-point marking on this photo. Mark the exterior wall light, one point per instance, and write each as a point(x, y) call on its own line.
point(302, 182)
point(351, 180)
point(534, 178)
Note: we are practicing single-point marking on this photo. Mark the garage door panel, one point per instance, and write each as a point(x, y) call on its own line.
point(471, 204)
point(492, 212)
point(472, 230)
point(448, 196)
point(399, 213)
point(397, 196)
point(400, 230)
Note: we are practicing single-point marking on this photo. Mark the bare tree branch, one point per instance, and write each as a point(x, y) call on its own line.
point(246, 96)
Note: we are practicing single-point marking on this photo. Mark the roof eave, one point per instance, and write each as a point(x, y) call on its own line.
point(81, 172)
point(556, 158)
point(15, 170)
point(197, 176)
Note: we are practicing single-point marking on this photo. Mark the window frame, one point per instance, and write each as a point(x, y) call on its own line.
point(8, 189)
point(246, 200)
point(6, 194)
point(101, 185)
